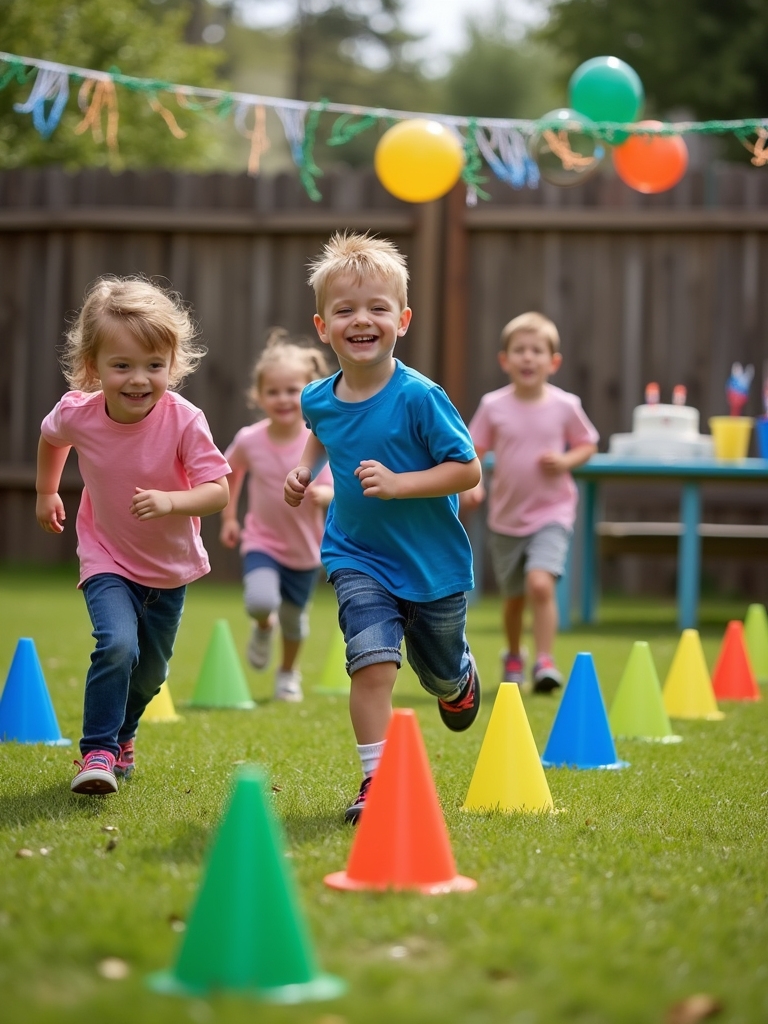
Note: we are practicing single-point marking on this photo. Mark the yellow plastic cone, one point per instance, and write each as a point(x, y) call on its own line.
point(160, 708)
point(756, 637)
point(334, 678)
point(688, 689)
point(509, 775)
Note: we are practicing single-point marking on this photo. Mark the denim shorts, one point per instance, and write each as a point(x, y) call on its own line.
point(513, 557)
point(296, 585)
point(374, 623)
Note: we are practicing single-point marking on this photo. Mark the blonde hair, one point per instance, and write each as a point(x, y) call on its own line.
point(361, 256)
point(531, 322)
point(157, 318)
point(280, 348)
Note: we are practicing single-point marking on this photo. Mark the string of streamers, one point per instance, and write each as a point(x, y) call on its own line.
point(345, 129)
point(96, 95)
point(505, 152)
point(52, 88)
point(301, 141)
point(167, 116)
point(473, 164)
point(758, 149)
point(500, 141)
point(559, 145)
point(258, 134)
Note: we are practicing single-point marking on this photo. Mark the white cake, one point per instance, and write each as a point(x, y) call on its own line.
point(664, 433)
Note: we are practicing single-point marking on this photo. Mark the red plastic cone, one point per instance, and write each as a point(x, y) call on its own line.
point(733, 678)
point(402, 841)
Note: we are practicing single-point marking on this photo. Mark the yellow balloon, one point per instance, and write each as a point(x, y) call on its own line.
point(418, 160)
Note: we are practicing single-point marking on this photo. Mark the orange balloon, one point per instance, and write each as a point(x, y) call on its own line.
point(651, 163)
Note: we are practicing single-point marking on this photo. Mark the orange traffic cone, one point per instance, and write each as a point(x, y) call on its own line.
point(402, 841)
point(733, 678)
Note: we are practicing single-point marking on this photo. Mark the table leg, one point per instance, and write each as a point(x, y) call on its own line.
point(589, 552)
point(689, 557)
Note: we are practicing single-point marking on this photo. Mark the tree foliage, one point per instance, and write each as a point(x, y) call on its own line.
point(138, 37)
point(707, 56)
point(499, 74)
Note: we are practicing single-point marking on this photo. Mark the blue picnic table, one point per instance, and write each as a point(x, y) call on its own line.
point(690, 475)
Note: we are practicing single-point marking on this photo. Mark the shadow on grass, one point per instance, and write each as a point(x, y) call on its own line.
point(311, 828)
point(188, 845)
point(54, 803)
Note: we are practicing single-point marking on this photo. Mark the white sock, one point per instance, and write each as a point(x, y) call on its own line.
point(370, 755)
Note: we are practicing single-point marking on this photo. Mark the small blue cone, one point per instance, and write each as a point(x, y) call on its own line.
point(581, 736)
point(26, 711)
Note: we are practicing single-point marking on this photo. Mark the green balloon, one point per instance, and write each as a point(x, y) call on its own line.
point(606, 89)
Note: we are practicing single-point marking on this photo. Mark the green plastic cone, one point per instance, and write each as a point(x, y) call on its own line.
point(246, 933)
point(756, 637)
point(638, 710)
point(334, 678)
point(221, 682)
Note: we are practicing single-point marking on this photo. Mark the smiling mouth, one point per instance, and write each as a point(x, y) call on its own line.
point(363, 339)
point(135, 396)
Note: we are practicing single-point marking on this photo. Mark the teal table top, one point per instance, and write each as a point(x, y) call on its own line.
point(701, 469)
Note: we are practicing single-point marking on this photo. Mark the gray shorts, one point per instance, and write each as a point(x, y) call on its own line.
point(513, 557)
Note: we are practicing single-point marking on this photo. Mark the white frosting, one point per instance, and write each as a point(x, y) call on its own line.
point(663, 433)
point(679, 420)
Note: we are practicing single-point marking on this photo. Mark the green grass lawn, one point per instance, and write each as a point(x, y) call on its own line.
point(650, 888)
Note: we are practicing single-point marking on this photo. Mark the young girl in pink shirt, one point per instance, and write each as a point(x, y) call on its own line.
point(150, 470)
point(280, 546)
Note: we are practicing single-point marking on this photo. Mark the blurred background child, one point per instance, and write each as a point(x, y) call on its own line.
point(538, 434)
point(150, 469)
point(280, 548)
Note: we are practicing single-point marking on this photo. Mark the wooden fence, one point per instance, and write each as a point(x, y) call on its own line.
point(672, 288)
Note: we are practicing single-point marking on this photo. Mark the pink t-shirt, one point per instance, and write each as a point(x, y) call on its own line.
point(523, 497)
point(289, 535)
point(171, 449)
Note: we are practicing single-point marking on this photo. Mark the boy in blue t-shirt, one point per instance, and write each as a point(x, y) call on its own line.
point(394, 549)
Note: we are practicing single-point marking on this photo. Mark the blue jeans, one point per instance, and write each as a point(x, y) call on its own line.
point(135, 628)
point(375, 621)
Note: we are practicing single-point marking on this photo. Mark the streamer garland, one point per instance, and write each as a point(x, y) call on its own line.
point(500, 142)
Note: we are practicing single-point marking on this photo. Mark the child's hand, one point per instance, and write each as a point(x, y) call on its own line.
point(472, 498)
point(553, 463)
point(377, 480)
point(50, 513)
point(150, 504)
point(296, 484)
point(229, 534)
point(321, 495)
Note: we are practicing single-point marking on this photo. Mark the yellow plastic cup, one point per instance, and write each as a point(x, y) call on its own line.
point(731, 436)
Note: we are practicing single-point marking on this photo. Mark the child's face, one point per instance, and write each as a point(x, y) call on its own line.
point(133, 378)
point(529, 362)
point(361, 321)
point(279, 394)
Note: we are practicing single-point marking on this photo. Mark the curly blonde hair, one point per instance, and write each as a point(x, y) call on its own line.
point(361, 256)
point(280, 350)
point(156, 317)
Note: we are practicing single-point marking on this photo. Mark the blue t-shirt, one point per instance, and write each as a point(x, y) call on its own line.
point(415, 547)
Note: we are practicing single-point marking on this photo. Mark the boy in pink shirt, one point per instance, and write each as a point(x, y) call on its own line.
point(150, 470)
point(538, 433)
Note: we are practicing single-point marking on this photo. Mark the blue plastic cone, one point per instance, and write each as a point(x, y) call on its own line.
point(581, 736)
point(26, 711)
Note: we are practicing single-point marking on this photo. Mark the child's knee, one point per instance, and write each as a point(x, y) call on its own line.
point(261, 592)
point(294, 621)
point(540, 585)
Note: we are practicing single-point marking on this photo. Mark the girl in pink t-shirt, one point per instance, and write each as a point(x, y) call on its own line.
point(280, 546)
point(150, 470)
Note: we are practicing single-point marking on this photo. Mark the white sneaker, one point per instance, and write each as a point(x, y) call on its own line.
point(288, 686)
point(260, 646)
